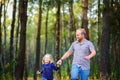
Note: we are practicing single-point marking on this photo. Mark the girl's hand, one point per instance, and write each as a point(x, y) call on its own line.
point(38, 72)
point(58, 65)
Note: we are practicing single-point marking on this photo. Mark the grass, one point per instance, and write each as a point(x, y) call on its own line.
point(38, 78)
point(31, 78)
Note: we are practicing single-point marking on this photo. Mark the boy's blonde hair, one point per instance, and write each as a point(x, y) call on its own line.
point(49, 56)
point(82, 30)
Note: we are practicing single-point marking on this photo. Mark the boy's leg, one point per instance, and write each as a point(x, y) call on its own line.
point(84, 74)
point(74, 72)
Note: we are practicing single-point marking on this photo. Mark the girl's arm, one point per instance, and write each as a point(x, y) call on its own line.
point(41, 71)
point(55, 67)
point(38, 72)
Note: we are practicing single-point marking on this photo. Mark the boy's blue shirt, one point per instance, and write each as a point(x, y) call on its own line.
point(47, 71)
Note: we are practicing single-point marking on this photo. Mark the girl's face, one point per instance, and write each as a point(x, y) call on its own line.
point(46, 60)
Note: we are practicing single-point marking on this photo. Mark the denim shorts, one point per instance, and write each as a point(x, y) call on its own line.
point(78, 71)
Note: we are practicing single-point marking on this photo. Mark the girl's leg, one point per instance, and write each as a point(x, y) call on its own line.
point(74, 72)
point(43, 78)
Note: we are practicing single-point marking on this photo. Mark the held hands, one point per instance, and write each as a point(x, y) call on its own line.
point(58, 65)
point(59, 62)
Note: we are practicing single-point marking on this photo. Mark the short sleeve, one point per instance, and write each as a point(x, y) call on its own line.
point(71, 48)
point(91, 46)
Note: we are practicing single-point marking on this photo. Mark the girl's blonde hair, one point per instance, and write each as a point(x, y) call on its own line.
point(48, 56)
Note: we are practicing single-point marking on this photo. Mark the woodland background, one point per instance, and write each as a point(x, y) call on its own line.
point(31, 28)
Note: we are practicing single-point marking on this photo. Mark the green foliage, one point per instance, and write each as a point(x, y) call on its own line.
point(95, 71)
point(6, 76)
point(31, 33)
point(30, 73)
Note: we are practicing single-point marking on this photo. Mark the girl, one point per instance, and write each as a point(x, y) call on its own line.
point(48, 67)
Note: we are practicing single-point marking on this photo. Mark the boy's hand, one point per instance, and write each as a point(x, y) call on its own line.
point(87, 58)
point(59, 62)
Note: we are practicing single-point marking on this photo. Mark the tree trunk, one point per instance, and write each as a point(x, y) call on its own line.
point(63, 30)
point(0, 29)
point(46, 29)
point(105, 62)
point(17, 36)
point(38, 48)
point(4, 41)
point(1, 62)
point(12, 39)
point(99, 29)
point(85, 18)
point(58, 35)
point(71, 22)
point(19, 69)
point(71, 33)
point(26, 66)
point(115, 40)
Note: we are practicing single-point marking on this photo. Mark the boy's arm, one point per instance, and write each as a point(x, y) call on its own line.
point(92, 54)
point(66, 55)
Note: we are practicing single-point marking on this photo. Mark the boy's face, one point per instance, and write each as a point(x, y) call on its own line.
point(79, 36)
point(46, 60)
